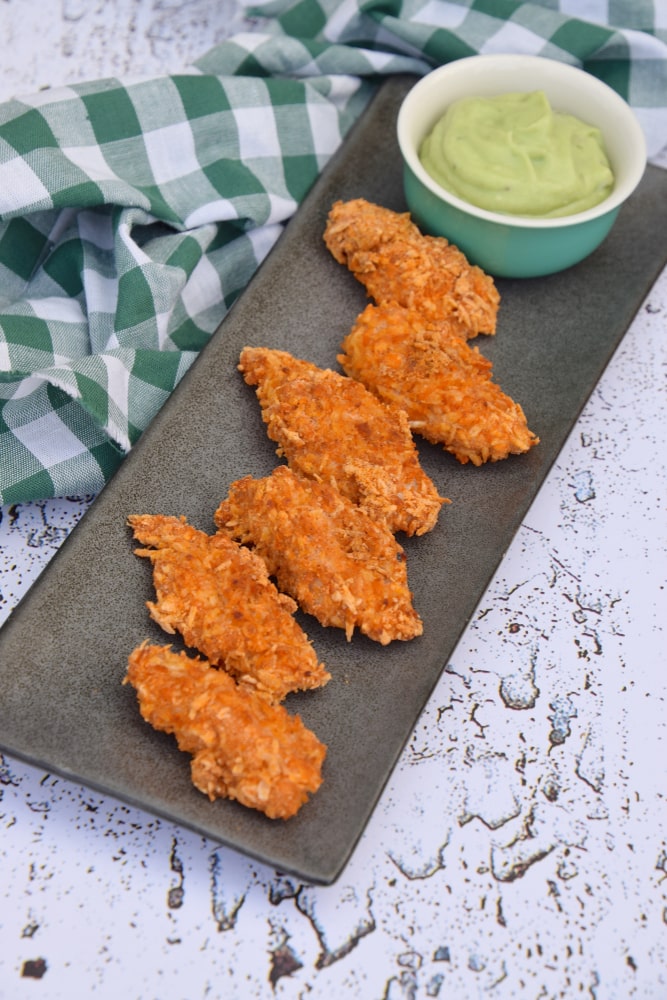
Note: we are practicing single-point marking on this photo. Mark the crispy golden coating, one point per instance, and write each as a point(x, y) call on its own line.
point(243, 747)
point(219, 597)
point(396, 263)
point(342, 567)
point(444, 385)
point(332, 429)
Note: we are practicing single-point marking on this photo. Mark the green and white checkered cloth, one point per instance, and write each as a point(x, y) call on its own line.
point(133, 213)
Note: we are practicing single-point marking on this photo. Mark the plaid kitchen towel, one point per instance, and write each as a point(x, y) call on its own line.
point(133, 212)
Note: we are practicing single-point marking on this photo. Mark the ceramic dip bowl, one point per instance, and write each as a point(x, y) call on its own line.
point(506, 245)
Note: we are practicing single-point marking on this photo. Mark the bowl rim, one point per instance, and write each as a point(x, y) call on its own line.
point(611, 203)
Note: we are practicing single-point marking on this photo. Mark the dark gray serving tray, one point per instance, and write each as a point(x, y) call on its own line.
point(64, 649)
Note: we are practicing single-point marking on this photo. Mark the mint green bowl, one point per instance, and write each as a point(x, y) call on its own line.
point(510, 245)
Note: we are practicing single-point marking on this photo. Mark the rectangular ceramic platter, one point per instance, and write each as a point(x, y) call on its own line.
point(63, 651)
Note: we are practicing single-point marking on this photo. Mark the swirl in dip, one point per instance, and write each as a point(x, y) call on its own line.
point(513, 154)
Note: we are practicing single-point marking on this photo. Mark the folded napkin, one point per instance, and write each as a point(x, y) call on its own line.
point(134, 212)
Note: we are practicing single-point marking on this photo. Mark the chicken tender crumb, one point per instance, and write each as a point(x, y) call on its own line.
point(242, 747)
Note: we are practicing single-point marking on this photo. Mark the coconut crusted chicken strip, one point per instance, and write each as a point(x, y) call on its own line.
point(443, 384)
point(242, 747)
point(219, 597)
point(342, 567)
point(388, 254)
point(332, 429)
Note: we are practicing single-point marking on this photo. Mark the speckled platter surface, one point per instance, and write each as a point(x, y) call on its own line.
point(63, 651)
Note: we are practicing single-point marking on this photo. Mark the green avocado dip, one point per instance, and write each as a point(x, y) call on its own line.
point(513, 154)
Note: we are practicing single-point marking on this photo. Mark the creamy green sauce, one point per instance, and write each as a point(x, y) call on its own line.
point(513, 154)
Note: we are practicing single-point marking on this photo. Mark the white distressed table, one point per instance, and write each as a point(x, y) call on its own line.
point(520, 848)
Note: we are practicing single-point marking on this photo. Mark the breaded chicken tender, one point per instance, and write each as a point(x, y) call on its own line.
point(443, 384)
point(332, 429)
point(219, 597)
point(242, 747)
point(388, 254)
point(342, 567)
